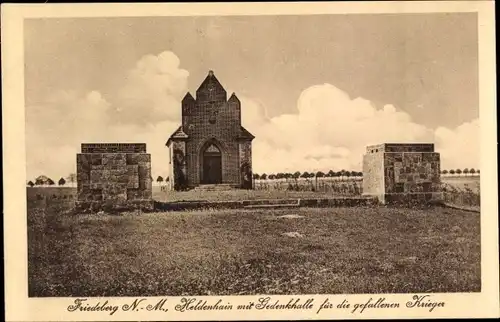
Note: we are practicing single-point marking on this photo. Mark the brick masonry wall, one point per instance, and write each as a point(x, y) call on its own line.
point(408, 147)
point(113, 147)
point(400, 147)
point(115, 180)
point(178, 164)
point(246, 164)
point(210, 117)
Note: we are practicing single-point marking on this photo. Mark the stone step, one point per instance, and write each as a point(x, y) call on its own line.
point(214, 187)
point(289, 205)
point(271, 202)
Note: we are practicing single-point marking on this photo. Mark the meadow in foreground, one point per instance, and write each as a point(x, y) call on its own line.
point(328, 250)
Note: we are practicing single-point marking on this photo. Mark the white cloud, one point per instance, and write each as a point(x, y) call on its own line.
point(152, 90)
point(459, 147)
point(330, 131)
point(55, 129)
point(146, 109)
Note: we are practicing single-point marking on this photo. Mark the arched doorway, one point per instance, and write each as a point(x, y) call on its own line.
point(212, 165)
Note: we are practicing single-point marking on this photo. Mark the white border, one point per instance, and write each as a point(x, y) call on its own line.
point(20, 308)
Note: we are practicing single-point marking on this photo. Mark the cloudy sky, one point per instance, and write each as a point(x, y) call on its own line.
point(315, 90)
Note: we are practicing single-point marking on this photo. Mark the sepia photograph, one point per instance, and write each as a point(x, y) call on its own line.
point(248, 155)
point(218, 155)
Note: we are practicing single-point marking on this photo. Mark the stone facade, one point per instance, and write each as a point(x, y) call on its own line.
point(211, 146)
point(401, 173)
point(114, 176)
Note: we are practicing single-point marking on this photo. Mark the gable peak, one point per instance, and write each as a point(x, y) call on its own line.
point(188, 96)
point(234, 97)
point(210, 83)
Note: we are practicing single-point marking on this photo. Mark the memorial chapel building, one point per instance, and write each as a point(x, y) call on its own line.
point(211, 147)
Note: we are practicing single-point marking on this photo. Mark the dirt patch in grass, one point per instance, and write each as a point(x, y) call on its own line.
point(293, 234)
point(291, 216)
point(342, 250)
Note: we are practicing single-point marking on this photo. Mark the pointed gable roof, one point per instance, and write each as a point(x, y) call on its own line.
point(233, 98)
point(188, 96)
point(210, 80)
point(178, 134)
point(245, 135)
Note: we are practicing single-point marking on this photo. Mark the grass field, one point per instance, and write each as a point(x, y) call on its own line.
point(330, 250)
point(461, 182)
point(35, 193)
point(462, 191)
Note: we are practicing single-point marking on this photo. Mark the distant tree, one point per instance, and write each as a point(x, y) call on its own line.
point(159, 180)
point(347, 174)
point(478, 171)
point(30, 183)
point(331, 174)
point(458, 171)
point(354, 173)
point(71, 178)
point(305, 175)
point(360, 174)
point(41, 180)
point(466, 171)
point(61, 182)
point(256, 176)
point(271, 176)
point(263, 176)
point(167, 179)
point(444, 172)
point(50, 182)
point(472, 171)
point(452, 172)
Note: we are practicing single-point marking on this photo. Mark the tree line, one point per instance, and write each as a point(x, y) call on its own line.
point(343, 173)
point(306, 175)
point(46, 181)
point(465, 171)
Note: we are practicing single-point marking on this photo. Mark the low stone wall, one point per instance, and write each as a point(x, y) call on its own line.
point(410, 199)
point(96, 206)
point(321, 202)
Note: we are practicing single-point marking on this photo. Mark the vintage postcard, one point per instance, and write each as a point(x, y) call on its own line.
point(250, 161)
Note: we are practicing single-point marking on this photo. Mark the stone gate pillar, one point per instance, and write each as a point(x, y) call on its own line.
point(113, 176)
point(402, 173)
